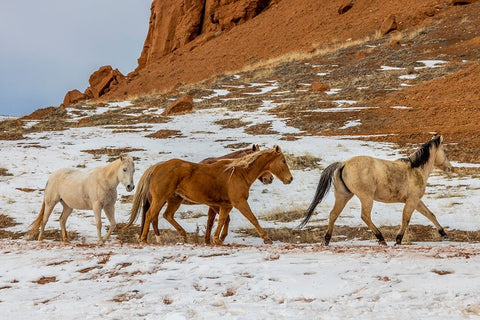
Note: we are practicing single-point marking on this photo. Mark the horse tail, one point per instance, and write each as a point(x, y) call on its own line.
point(140, 199)
point(146, 206)
point(33, 228)
point(322, 189)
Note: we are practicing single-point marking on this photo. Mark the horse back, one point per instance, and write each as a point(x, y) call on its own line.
point(384, 180)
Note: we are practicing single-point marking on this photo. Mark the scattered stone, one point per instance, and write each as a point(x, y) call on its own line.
point(319, 86)
point(182, 105)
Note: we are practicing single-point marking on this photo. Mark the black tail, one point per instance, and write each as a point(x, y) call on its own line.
point(322, 189)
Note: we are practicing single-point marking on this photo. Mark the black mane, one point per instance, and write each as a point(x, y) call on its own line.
point(421, 156)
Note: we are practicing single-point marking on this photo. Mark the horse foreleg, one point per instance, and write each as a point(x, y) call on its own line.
point(422, 208)
point(222, 216)
point(340, 201)
point(172, 207)
point(225, 229)
point(212, 212)
point(367, 205)
point(244, 208)
point(406, 215)
point(63, 220)
point(110, 213)
point(97, 211)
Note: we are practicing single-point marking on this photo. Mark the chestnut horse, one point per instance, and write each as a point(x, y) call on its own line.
point(224, 184)
point(401, 181)
point(265, 178)
point(75, 189)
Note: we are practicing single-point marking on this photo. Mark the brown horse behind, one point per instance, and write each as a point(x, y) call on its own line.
point(224, 184)
point(265, 178)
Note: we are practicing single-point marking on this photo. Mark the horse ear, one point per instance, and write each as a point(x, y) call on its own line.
point(440, 138)
point(122, 156)
point(277, 148)
point(255, 147)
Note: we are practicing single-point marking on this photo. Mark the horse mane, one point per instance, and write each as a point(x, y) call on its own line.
point(421, 156)
point(246, 161)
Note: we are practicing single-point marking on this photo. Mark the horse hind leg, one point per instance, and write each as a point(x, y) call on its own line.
point(150, 215)
point(46, 214)
point(63, 220)
point(172, 207)
point(340, 202)
point(367, 205)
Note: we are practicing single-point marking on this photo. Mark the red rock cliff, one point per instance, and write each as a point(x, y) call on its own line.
point(173, 24)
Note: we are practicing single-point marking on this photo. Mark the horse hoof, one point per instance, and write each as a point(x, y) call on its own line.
point(382, 243)
point(267, 241)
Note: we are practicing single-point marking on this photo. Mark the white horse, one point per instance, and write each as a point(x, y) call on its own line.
point(93, 190)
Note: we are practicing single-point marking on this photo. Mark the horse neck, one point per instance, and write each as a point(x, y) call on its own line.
point(257, 167)
point(110, 173)
point(427, 168)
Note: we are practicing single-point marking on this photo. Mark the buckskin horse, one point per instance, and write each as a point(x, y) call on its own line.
point(401, 181)
point(224, 184)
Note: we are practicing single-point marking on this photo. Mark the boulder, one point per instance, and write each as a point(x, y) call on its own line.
point(182, 105)
point(73, 96)
point(389, 24)
point(345, 6)
point(101, 81)
point(319, 86)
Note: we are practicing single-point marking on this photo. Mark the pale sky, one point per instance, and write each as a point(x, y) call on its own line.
point(48, 47)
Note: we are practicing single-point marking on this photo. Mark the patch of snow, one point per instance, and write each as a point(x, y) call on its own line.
point(389, 68)
point(351, 123)
point(408, 76)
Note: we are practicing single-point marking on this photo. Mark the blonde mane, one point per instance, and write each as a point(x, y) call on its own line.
point(246, 161)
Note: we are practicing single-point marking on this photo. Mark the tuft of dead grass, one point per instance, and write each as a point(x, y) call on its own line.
point(166, 134)
point(4, 172)
point(232, 123)
point(414, 233)
point(168, 236)
point(302, 162)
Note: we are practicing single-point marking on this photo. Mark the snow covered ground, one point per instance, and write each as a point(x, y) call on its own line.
point(246, 279)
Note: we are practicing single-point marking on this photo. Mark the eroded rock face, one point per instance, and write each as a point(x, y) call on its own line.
point(73, 96)
point(172, 25)
point(102, 80)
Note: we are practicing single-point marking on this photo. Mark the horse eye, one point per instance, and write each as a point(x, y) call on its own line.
point(124, 169)
point(284, 162)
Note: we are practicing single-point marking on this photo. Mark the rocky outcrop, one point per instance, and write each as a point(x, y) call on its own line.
point(73, 97)
point(182, 105)
point(102, 80)
point(389, 24)
point(172, 25)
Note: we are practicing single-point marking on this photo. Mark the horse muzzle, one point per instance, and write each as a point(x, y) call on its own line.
point(288, 180)
point(130, 187)
point(267, 180)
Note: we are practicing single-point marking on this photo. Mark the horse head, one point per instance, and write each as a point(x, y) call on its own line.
point(266, 177)
point(126, 171)
point(441, 160)
point(278, 166)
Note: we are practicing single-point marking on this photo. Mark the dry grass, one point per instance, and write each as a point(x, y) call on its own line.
point(4, 172)
point(166, 134)
point(414, 233)
point(112, 153)
point(306, 161)
point(233, 123)
point(168, 236)
point(260, 129)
